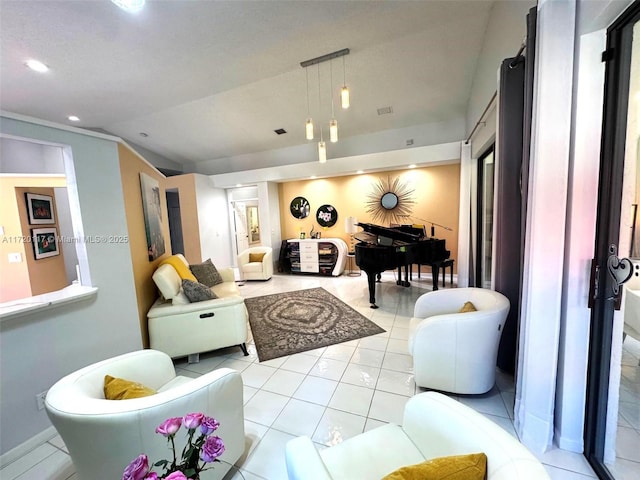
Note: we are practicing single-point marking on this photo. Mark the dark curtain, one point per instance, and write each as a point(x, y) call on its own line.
point(514, 141)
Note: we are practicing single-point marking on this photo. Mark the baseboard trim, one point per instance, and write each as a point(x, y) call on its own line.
point(25, 447)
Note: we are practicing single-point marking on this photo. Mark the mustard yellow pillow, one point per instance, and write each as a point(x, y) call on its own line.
point(183, 270)
point(121, 389)
point(256, 257)
point(456, 467)
point(468, 307)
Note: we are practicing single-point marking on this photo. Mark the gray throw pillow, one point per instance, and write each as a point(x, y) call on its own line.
point(197, 292)
point(206, 273)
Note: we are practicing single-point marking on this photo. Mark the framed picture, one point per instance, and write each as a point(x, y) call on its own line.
point(40, 209)
point(299, 207)
point(45, 242)
point(327, 216)
point(151, 207)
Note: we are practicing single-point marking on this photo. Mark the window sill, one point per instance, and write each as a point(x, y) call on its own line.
point(24, 306)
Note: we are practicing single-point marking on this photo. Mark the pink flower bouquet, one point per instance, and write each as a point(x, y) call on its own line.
point(196, 454)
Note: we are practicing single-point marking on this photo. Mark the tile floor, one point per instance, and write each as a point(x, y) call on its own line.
point(627, 464)
point(330, 394)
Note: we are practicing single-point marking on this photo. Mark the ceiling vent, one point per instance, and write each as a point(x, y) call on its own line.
point(280, 131)
point(385, 110)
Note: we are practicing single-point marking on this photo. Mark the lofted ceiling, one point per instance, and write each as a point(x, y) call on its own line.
point(208, 81)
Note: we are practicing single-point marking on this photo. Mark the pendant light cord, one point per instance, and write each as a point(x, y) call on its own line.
point(308, 107)
point(319, 103)
point(331, 87)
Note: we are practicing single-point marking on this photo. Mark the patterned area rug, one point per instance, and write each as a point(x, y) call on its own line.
point(292, 322)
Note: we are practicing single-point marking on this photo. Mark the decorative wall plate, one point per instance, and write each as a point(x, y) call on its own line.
point(327, 216)
point(299, 207)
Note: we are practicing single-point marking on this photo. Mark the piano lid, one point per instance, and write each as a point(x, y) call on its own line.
point(384, 236)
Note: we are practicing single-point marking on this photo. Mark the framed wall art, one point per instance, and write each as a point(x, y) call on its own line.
point(45, 242)
point(327, 216)
point(40, 209)
point(152, 210)
point(299, 207)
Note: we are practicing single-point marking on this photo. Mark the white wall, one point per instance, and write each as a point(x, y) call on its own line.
point(506, 30)
point(66, 231)
point(28, 157)
point(37, 349)
point(361, 145)
point(213, 218)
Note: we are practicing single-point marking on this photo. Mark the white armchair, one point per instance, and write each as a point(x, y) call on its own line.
point(456, 352)
point(434, 425)
point(256, 270)
point(103, 436)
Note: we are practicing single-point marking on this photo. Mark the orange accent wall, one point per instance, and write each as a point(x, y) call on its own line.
point(436, 193)
point(186, 186)
point(30, 276)
point(131, 165)
point(46, 274)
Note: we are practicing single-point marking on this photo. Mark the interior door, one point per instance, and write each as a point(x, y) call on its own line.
point(240, 222)
point(612, 424)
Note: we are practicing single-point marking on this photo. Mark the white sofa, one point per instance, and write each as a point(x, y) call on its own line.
point(103, 436)
point(262, 270)
point(433, 426)
point(187, 329)
point(456, 352)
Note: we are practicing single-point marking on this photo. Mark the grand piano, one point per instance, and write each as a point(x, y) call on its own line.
point(383, 248)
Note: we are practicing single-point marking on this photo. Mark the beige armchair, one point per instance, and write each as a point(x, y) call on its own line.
point(434, 425)
point(456, 352)
point(254, 269)
point(103, 436)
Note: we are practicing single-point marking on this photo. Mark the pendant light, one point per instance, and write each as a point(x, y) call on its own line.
point(333, 123)
point(322, 149)
point(309, 124)
point(344, 93)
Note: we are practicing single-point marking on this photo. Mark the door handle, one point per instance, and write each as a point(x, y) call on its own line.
point(620, 270)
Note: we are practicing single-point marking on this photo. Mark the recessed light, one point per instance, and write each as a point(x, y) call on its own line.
point(360, 171)
point(36, 66)
point(73, 118)
point(413, 165)
point(313, 177)
point(238, 184)
point(131, 6)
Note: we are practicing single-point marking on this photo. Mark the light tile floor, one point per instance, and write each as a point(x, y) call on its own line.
point(329, 394)
point(627, 464)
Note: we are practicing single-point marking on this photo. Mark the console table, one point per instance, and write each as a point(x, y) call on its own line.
point(321, 256)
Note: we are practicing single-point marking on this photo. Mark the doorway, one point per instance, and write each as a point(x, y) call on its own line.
point(175, 222)
point(612, 425)
point(485, 219)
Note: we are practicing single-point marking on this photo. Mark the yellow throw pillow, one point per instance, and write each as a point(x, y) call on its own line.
point(183, 270)
point(456, 467)
point(256, 257)
point(121, 389)
point(468, 307)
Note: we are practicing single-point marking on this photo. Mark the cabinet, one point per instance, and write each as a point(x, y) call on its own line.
point(316, 256)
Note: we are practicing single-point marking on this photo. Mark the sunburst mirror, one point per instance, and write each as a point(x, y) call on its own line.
point(390, 201)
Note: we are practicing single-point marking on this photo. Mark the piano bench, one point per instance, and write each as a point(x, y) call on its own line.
point(447, 263)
